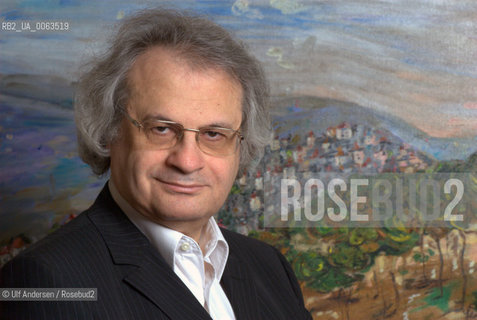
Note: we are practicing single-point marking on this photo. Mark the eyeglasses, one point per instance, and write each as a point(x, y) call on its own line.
point(214, 141)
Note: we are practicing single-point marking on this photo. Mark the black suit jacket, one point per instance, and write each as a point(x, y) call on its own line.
point(102, 249)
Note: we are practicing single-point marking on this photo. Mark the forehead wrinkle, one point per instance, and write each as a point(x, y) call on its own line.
point(139, 87)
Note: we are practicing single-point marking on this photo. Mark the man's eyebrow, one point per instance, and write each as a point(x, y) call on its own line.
point(156, 117)
point(219, 124)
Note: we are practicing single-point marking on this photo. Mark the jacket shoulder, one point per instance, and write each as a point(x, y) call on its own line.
point(75, 234)
point(63, 252)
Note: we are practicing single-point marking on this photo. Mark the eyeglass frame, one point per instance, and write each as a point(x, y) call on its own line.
point(180, 136)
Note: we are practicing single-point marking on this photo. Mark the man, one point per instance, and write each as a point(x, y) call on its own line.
point(175, 109)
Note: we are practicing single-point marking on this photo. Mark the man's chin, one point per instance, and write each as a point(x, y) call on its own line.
point(179, 213)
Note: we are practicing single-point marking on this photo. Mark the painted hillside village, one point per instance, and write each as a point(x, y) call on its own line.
point(343, 149)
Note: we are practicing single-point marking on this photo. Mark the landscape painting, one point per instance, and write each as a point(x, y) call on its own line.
point(361, 90)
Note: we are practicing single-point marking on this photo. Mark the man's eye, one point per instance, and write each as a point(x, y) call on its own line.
point(161, 130)
point(213, 135)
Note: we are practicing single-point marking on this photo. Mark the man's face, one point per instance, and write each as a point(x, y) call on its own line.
point(178, 187)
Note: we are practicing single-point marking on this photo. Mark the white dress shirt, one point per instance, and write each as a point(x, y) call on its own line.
point(200, 271)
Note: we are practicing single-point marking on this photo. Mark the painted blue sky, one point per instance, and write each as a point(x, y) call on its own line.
point(416, 60)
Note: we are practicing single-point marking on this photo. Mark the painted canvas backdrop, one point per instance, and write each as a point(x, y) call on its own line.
point(358, 86)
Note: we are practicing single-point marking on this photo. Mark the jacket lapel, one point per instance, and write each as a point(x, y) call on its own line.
point(143, 267)
point(160, 285)
point(239, 288)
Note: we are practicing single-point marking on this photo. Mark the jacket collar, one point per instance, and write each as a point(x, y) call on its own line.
point(142, 266)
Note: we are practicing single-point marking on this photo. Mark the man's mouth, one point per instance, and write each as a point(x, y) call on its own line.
point(181, 187)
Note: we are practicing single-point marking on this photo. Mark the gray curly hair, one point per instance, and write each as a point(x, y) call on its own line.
point(102, 92)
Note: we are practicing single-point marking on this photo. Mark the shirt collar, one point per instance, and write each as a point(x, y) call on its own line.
point(166, 240)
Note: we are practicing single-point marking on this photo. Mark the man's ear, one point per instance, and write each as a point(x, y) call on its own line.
point(109, 144)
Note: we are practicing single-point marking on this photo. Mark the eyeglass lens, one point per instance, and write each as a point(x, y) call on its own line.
point(211, 140)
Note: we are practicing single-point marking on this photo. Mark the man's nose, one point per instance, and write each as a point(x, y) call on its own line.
point(186, 155)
